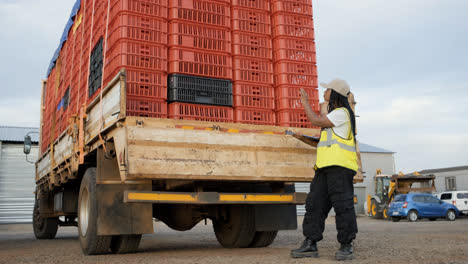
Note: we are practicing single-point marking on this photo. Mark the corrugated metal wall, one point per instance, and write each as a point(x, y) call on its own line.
point(16, 183)
point(302, 187)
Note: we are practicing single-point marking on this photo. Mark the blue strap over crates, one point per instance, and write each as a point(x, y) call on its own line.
point(64, 37)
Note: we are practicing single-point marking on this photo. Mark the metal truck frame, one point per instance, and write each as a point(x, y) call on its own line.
point(112, 174)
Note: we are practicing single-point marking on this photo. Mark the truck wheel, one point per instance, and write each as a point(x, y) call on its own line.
point(44, 228)
point(413, 216)
point(124, 244)
point(238, 230)
point(263, 238)
point(91, 243)
point(374, 210)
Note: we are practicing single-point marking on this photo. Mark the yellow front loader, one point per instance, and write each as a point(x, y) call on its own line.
point(388, 186)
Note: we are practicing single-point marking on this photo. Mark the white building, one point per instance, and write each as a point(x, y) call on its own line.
point(17, 184)
point(450, 179)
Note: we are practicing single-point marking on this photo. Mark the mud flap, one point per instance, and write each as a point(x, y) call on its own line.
point(114, 216)
point(118, 218)
point(272, 217)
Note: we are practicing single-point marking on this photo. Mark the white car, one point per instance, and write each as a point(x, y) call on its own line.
point(457, 198)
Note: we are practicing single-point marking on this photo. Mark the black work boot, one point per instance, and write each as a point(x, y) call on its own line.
point(308, 249)
point(345, 252)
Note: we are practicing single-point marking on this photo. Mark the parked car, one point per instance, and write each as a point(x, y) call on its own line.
point(456, 198)
point(419, 205)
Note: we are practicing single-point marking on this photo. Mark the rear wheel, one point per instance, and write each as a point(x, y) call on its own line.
point(91, 243)
point(238, 230)
point(263, 238)
point(44, 228)
point(451, 215)
point(374, 210)
point(124, 244)
point(385, 213)
point(396, 219)
point(413, 216)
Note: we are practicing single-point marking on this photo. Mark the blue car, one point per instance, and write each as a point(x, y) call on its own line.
point(419, 205)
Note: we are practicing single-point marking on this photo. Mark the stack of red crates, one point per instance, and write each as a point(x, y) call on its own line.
point(295, 60)
point(253, 62)
point(200, 45)
point(137, 41)
point(265, 48)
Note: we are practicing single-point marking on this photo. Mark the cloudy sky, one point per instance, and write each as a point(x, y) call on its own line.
point(406, 60)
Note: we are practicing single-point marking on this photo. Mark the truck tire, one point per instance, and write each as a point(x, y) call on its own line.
point(125, 244)
point(375, 210)
point(90, 242)
point(44, 228)
point(238, 230)
point(263, 238)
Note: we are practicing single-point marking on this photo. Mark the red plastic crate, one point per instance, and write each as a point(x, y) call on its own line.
point(293, 118)
point(254, 95)
point(200, 112)
point(293, 73)
point(294, 49)
point(253, 70)
point(293, 25)
point(200, 63)
point(144, 83)
point(136, 55)
point(250, 20)
point(146, 107)
point(252, 45)
point(253, 4)
point(206, 12)
point(156, 8)
point(137, 27)
point(302, 7)
point(255, 116)
point(198, 36)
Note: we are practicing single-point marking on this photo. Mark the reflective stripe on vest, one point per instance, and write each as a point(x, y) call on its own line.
point(333, 150)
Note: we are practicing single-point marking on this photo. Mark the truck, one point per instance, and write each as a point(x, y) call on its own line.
point(112, 173)
point(388, 186)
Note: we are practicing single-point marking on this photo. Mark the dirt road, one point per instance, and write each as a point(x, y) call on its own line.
point(378, 241)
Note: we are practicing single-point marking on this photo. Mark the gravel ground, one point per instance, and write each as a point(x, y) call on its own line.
point(378, 241)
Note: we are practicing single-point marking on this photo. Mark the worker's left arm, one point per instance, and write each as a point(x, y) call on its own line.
point(320, 121)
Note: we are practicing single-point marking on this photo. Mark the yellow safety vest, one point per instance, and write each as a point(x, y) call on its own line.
point(333, 150)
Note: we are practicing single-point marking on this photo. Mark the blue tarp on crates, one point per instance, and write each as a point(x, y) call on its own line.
point(64, 37)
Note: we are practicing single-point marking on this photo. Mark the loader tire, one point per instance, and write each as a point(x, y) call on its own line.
point(91, 243)
point(44, 228)
point(238, 230)
point(374, 210)
point(124, 244)
point(263, 238)
point(385, 213)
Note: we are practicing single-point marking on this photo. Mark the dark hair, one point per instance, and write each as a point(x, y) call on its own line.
point(336, 101)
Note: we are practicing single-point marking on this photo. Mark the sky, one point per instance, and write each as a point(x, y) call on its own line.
point(406, 62)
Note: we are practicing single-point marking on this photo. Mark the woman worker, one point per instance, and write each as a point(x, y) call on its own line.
point(335, 168)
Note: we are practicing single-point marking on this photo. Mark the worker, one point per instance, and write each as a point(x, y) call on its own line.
point(335, 168)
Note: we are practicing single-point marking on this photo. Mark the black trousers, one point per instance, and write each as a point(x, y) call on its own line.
point(331, 186)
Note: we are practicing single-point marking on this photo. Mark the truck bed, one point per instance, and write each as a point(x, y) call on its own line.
point(153, 148)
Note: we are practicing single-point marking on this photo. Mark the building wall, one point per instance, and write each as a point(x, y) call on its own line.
point(461, 180)
point(17, 184)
